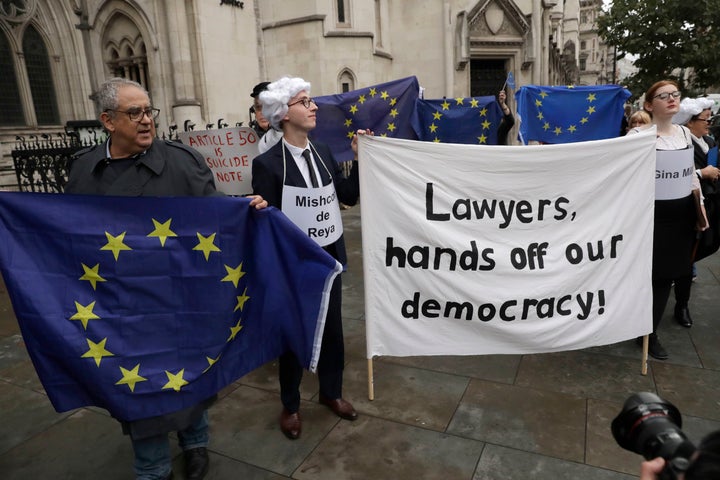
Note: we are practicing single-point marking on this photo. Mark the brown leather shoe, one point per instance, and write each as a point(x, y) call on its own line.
point(340, 407)
point(290, 424)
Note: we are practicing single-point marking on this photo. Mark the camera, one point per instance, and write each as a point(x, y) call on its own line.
point(651, 427)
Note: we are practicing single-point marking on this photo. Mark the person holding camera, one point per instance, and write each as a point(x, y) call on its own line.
point(650, 426)
point(704, 464)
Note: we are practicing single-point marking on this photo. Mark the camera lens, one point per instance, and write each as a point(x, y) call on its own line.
point(650, 426)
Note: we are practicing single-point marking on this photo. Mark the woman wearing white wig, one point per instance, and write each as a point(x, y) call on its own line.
point(695, 114)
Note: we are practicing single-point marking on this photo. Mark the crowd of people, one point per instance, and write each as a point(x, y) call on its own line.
point(134, 162)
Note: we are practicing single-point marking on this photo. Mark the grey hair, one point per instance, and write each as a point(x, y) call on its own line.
point(107, 94)
point(275, 99)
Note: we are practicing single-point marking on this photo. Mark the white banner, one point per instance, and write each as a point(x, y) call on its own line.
point(496, 249)
point(229, 153)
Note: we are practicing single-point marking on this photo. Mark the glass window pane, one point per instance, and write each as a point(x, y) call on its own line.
point(10, 105)
point(40, 77)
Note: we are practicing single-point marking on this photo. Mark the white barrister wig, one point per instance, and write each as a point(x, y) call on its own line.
point(275, 99)
point(690, 107)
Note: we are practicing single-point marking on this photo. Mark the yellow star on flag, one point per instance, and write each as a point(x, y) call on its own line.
point(591, 97)
point(584, 120)
point(572, 128)
point(373, 92)
point(115, 244)
point(445, 105)
point(348, 122)
point(234, 330)
point(84, 313)
point(433, 127)
point(543, 94)
point(538, 103)
point(241, 299)
point(474, 103)
point(459, 101)
point(436, 140)
point(558, 130)
point(353, 109)
point(482, 139)
point(483, 112)
point(384, 95)
point(162, 231)
point(486, 125)
point(92, 275)
point(130, 377)
point(233, 274)
point(384, 134)
point(175, 381)
point(437, 115)
point(97, 351)
point(211, 362)
point(391, 127)
point(590, 110)
point(361, 99)
point(540, 116)
point(546, 126)
point(393, 101)
point(350, 134)
point(394, 113)
point(206, 245)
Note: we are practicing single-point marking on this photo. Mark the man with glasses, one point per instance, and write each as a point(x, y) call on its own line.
point(132, 162)
point(303, 179)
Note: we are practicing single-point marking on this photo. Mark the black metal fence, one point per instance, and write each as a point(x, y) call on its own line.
point(41, 163)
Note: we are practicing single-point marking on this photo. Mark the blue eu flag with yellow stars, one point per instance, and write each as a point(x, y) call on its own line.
point(570, 114)
point(386, 109)
point(146, 306)
point(472, 120)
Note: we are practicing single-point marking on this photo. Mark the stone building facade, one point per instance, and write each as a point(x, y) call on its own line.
point(199, 59)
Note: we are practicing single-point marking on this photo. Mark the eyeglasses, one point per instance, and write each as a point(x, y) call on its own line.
point(137, 114)
point(706, 120)
point(306, 101)
point(667, 95)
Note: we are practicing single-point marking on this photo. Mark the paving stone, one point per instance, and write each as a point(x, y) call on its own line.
point(532, 420)
point(380, 449)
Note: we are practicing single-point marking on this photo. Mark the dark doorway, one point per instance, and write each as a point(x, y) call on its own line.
point(486, 77)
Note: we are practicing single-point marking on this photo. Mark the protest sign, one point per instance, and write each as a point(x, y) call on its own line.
point(471, 249)
point(229, 153)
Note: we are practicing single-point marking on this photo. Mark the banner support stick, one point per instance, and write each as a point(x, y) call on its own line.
point(371, 387)
point(644, 363)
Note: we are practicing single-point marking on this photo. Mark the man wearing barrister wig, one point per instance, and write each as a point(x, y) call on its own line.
point(293, 170)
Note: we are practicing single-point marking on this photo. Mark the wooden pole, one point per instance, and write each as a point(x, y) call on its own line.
point(644, 364)
point(371, 386)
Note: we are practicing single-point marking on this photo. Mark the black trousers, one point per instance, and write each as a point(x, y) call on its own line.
point(330, 364)
point(661, 293)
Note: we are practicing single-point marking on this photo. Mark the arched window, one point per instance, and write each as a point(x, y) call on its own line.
point(124, 50)
point(40, 78)
point(346, 81)
point(10, 106)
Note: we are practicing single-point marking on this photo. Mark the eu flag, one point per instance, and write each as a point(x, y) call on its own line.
point(145, 306)
point(460, 120)
point(386, 109)
point(570, 114)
